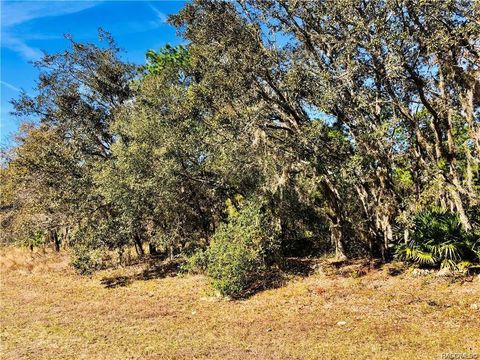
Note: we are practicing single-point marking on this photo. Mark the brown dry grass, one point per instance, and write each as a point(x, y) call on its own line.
point(48, 312)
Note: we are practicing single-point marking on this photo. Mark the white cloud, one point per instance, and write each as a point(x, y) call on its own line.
point(10, 86)
point(20, 46)
point(160, 15)
point(16, 13)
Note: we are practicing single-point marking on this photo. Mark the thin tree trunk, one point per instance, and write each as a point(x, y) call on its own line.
point(152, 249)
point(56, 240)
point(335, 217)
point(469, 175)
point(462, 215)
point(138, 246)
point(336, 234)
point(387, 236)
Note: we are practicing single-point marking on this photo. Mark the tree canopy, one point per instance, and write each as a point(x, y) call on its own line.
point(282, 128)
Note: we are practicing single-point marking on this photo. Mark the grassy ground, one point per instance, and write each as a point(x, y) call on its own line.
point(48, 312)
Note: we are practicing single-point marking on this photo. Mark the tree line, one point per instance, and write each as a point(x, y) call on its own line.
point(283, 128)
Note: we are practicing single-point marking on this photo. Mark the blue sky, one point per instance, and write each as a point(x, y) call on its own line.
point(30, 27)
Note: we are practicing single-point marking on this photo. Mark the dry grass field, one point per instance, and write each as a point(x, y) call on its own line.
point(49, 312)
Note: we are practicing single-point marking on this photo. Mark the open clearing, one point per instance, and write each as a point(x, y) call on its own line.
point(49, 312)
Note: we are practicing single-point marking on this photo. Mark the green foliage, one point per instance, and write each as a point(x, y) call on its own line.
point(36, 239)
point(240, 251)
point(93, 239)
point(404, 178)
point(86, 260)
point(168, 57)
point(439, 240)
point(338, 129)
point(197, 263)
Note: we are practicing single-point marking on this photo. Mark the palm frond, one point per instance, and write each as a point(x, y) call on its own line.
point(438, 239)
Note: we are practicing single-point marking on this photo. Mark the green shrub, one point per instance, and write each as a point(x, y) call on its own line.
point(36, 239)
point(197, 263)
point(438, 240)
point(90, 245)
point(241, 251)
point(85, 261)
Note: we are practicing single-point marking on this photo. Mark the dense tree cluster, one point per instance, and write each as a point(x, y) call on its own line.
point(282, 128)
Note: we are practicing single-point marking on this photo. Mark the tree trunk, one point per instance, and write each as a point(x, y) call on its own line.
point(336, 234)
point(64, 237)
point(335, 217)
point(451, 158)
point(462, 215)
point(152, 249)
point(55, 239)
point(387, 237)
point(138, 246)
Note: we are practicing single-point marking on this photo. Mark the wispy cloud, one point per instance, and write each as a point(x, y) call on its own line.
point(10, 86)
point(16, 13)
point(20, 12)
point(20, 46)
point(160, 15)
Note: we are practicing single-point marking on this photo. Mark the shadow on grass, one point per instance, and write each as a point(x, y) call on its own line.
point(155, 269)
point(276, 278)
point(159, 270)
point(299, 266)
point(356, 268)
point(272, 279)
point(115, 281)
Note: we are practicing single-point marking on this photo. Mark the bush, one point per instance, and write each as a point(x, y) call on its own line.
point(86, 261)
point(36, 239)
point(438, 240)
point(241, 252)
point(90, 245)
point(197, 263)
